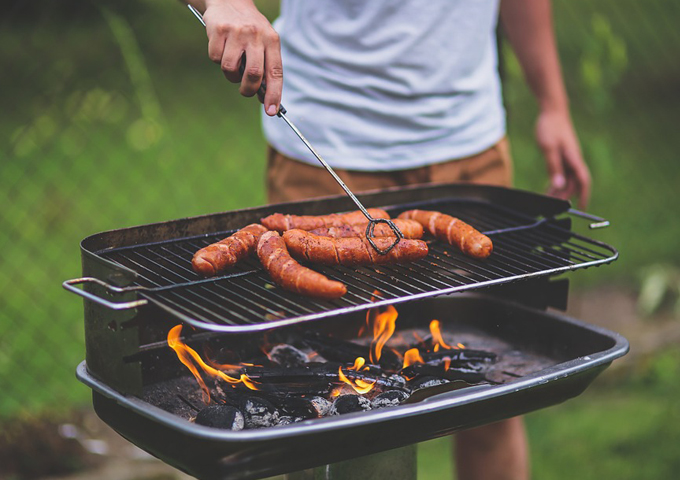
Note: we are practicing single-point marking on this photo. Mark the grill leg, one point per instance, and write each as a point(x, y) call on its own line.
point(397, 464)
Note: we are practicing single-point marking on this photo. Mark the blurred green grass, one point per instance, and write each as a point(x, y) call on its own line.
point(118, 119)
point(623, 426)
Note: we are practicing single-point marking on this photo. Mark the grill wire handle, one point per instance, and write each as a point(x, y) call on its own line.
point(282, 114)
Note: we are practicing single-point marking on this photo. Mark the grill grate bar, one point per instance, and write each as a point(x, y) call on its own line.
point(247, 299)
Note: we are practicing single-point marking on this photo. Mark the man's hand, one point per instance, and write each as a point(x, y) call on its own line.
point(569, 174)
point(528, 24)
point(236, 28)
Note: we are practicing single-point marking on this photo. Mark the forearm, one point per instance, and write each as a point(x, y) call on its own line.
point(529, 28)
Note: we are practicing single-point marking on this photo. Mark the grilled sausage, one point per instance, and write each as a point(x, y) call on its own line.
point(290, 275)
point(281, 222)
point(211, 260)
point(352, 250)
point(409, 228)
point(453, 231)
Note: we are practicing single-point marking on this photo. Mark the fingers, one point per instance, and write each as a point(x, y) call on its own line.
point(579, 175)
point(556, 172)
point(569, 175)
point(248, 50)
point(274, 76)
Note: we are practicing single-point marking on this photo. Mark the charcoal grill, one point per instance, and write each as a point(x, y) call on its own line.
point(138, 283)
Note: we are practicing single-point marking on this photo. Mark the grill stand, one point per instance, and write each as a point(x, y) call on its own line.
point(397, 464)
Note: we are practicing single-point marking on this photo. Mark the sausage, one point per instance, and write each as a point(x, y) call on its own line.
point(409, 228)
point(351, 250)
point(211, 260)
point(290, 275)
point(453, 231)
point(281, 222)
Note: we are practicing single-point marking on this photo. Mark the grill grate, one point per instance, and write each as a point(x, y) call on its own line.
point(247, 300)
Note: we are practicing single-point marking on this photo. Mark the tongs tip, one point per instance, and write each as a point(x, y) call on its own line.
point(370, 234)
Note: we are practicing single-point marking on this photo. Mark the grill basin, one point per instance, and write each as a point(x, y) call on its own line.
point(575, 354)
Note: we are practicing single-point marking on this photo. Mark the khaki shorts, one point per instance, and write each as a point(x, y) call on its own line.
point(290, 180)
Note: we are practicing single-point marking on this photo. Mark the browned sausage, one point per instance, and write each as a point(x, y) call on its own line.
point(453, 231)
point(211, 260)
point(281, 222)
point(409, 228)
point(290, 275)
point(351, 250)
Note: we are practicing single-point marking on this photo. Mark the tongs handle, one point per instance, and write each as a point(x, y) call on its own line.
point(281, 113)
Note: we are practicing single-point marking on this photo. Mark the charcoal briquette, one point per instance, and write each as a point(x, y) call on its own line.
point(350, 403)
point(391, 398)
point(288, 356)
point(321, 405)
point(259, 412)
point(426, 382)
point(221, 416)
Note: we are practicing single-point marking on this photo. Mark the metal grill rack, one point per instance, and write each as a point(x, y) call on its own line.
point(247, 300)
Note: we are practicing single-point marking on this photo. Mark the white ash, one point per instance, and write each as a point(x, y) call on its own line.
point(427, 382)
point(288, 356)
point(350, 403)
point(391, 398)
point(397, 379)
point(285, 420)
point(321, 405)
point(259, 412)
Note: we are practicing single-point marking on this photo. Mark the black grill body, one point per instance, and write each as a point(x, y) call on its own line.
point(575, 354)
point(139, 284)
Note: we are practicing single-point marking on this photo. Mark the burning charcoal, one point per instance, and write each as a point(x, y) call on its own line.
point(470, 375)
point(302, 407)
point(221, 416)
point(338, 350)
point(350, 403)
point(259, 412)
point(391, 398)
point(397, 380)
point(322, 406)
point(426, 382)
point(285, 420)
point(464, 357)
point(288, 356)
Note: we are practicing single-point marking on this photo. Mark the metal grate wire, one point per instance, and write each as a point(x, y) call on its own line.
point(246, 299)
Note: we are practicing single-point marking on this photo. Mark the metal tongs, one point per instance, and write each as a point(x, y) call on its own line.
point(282, 114)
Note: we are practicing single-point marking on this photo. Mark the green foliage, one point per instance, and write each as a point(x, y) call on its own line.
point(116, 117)
point(660, 285)
point(626, 429)
point(603, 62)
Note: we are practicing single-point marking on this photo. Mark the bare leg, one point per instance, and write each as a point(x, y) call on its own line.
point(498, 451)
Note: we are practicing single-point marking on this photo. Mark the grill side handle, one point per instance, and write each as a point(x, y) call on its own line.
point(70, 285)
point(598, 222)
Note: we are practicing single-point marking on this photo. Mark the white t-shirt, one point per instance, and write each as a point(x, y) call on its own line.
point(388, 84)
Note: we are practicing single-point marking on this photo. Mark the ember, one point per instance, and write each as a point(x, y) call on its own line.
point(288, 387)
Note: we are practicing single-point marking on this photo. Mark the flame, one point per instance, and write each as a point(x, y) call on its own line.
point(437, 336)
point(186, 354)
point(447, 363)
point(384, 324)
point(360, 386)
point(412, 356)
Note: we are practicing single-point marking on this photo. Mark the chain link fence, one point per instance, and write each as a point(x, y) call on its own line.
point(113, 116)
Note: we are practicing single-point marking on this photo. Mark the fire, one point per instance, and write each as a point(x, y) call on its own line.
point(186, 354)
point(384, 324)
point(412, 356)
point(437, 336)
point(360, 386)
